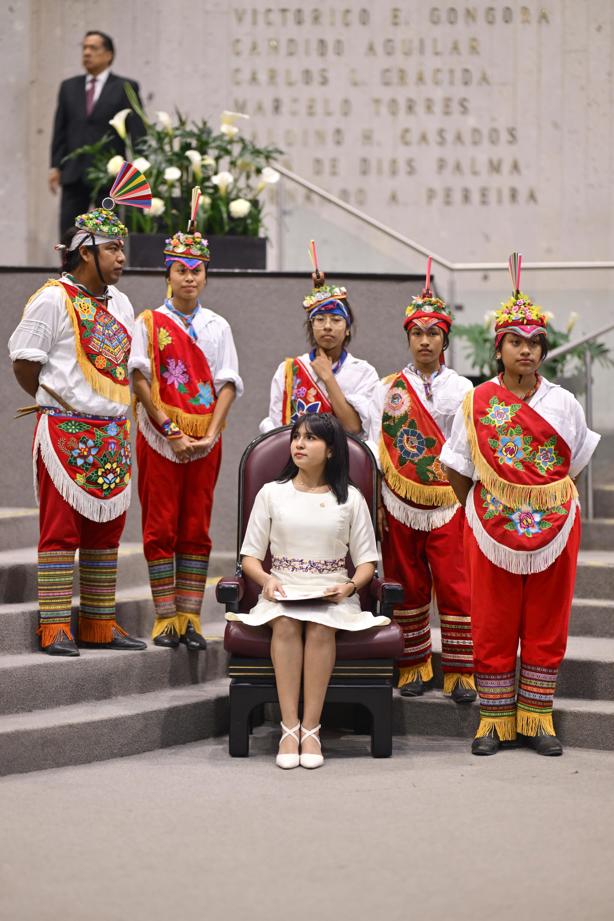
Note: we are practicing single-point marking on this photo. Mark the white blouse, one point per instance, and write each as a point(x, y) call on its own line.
point(356, 378)
point(557, 406)
point(46, 335)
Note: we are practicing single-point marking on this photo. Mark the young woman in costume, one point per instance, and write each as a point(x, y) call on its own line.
point(311, 517)
point(185, 377)
point(327, 378)
point(516, 447)
point(421, 522)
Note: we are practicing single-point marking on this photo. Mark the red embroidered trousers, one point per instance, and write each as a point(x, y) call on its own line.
point(176, 501)
point(421, 560)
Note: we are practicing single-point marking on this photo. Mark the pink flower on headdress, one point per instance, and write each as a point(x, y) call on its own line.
point(176, 373)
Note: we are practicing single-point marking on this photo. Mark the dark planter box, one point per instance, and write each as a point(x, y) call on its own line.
point(145, 251)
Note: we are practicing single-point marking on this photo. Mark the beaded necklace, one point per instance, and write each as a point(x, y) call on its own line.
point(530, 392)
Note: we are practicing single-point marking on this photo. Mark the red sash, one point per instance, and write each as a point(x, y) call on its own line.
point(410, 446)
point(301, 393)
point(526, 501)
point(181, 380)
point(102, 344)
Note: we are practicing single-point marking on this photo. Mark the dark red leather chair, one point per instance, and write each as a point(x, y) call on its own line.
point(364, 666)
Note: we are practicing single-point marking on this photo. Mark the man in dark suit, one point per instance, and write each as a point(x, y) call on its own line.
point(85, 106)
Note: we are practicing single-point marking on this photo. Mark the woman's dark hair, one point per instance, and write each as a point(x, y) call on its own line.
point(541, 339)
point(446, 338)
point(107, 41)
point(71, 259)
point(337, 470)
point(351, 328)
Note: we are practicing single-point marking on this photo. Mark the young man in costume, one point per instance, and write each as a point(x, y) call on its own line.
point(421, 523)
point(328, 379)
point(185, 376)
point(70, 351)
point(517, 444)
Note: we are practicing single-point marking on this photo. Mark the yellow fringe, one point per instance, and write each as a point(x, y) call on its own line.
point(503, 726)
point(424, 494)
point(288, 376)
point(189, 423)
point(185, 619)
point(533, 724)
point(162, 625)
point(512, 494)
point(453, 679)
point(424, 671)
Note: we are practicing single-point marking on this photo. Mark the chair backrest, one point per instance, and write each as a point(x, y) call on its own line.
point(262, 461)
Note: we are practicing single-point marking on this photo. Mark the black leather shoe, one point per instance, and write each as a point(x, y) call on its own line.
point(461, 695)
point(414, 688)
point(62, 646)
point(193, 639)
point(544, 744)
point(485, 745)
point(169, 640)
point(119, 641)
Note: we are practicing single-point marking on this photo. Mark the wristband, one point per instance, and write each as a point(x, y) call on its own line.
point(170, 430)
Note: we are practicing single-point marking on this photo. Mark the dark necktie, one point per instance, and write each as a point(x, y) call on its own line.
point(89, 96)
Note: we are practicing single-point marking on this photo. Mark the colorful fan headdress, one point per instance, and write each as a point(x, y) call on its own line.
point(519, 314)
point(189, 248)
point(427, 310)
point(325, 298)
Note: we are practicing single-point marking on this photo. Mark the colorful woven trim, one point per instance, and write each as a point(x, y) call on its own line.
point(98, 578)
point(162, 584)
point(55, 581)
point(191, 582)
point(536, 689)
point(187, 246)
point(181, 380)
point(325, 293)
point(301, 393)
point(497, 705)
point(456, 646)
point(415, 661)
point(102, 222)
point(410, 446)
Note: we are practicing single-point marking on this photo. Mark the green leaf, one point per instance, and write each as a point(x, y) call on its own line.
point(73, 427)
point(430, 442)
point(391, 427)
point(544, 525)
point(510, 526)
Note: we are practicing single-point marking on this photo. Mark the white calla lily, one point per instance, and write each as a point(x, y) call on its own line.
point(142, 164)
point(119, 122)
point(572, 320)
point(229, 131)
point(195, 158)
point(164, 120)
point(269, 175)
point(172, 174)
point(229, 118)
point(205, 202)
point(223, 180)
point(208, 161)
point(157, 208)
point(240, 207)
point(114, 165)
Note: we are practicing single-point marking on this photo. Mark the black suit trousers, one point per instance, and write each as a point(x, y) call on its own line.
point(76, 199)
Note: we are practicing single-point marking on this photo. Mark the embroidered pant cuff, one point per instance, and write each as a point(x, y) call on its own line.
point(535, 698)
point(55, 581)
point(497, 705)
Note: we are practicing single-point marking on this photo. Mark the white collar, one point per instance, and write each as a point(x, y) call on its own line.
point(100, 78)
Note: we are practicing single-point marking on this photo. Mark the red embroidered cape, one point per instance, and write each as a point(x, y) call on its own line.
point(181, 380)
point(409, 449)
point(301, 393)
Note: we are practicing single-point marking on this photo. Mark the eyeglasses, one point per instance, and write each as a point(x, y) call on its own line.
point(322, 319)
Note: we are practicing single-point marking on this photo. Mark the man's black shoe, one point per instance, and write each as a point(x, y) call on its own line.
point(63, 645)
point(170, 640)
point(485, 745)
point(461, 695)
point(193, 639)
point(118, 641)
point(413, 688)
point(545, 744)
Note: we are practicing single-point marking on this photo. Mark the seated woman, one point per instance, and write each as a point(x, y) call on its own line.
point(311, 516)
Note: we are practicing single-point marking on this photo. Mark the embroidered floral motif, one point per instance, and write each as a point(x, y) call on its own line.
point(525, 521)
point(101, 362)
point(164, 338)
point(302, 408)
point(85, 453)
point(204, 397)
point(500, 413)
point(512, 447)
point(397, 402)
point(99, 460)
point(493, 506)
point(85, 307)
point(546, 458)
point(176, 374)
point(297, 564)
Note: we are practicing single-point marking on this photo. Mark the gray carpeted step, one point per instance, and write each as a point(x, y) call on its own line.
point(592, 617)
point(581, 723)
point(18, 528)
point(595, 576)
point(604, 500)
point(112, 728)
point(598, 534)
point(18, 571)
point(19, 622)
point(36, 681)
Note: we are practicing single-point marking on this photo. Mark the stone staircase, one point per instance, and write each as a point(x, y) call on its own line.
point(56, 712)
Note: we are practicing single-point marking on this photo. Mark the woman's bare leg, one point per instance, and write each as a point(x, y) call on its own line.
point(287, 656)
point(318, 663)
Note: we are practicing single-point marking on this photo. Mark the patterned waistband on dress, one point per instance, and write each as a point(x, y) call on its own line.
point(296, 564)
point(58, 411)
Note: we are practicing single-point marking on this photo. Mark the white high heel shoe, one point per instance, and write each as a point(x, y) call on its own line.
point(286, 762)
point(306, 760)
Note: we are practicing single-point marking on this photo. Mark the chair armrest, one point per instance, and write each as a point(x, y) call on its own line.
point(389, 595)
point(229, 591)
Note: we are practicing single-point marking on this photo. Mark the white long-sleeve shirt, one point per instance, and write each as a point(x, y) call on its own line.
point(356, 378)
point(46, 335)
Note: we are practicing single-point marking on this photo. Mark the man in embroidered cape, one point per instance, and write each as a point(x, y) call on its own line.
point(70, 352)
point(421, 523)
point(516, 446)
point(328, 378)
point(185, 375)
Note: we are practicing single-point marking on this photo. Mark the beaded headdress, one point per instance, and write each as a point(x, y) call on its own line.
point(427, 310)
point(519, 314)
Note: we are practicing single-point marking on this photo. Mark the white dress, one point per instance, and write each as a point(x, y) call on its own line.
point(309, 535)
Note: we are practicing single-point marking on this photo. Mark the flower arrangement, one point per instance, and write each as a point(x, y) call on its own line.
point(175, 155)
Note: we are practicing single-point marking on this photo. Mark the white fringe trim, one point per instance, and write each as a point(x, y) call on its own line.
point(88, 506)
point(520, 562)
point(422, 519)
point(159, 443)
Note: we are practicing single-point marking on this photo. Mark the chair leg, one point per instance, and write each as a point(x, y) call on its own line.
point(240, 709)
point(381, 728)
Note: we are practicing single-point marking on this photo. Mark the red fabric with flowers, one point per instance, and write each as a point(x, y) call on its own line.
point(301, 393)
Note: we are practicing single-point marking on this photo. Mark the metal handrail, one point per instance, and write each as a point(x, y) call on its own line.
point(569, 346)
point(417, 247)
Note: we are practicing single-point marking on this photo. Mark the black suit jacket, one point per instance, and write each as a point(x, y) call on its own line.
point(73, 129)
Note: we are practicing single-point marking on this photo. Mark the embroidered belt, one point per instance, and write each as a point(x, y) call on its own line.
point(57, 411)
point(297, 564)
